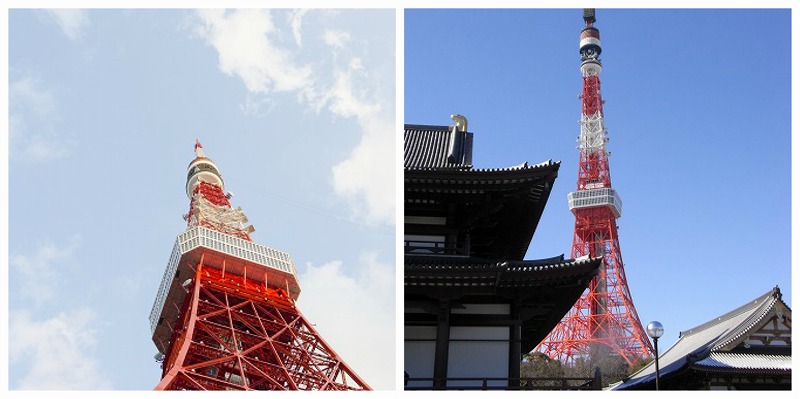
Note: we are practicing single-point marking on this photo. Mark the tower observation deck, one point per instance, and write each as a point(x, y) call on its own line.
point(603, 321)
point(224, 317)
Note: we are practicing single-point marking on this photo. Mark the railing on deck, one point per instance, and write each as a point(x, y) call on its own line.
point(432, 248)
point(506, 384)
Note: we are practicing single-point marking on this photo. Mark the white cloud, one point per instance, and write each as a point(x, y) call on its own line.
point(355, 64)
point(245, 42)
point(343, 96)
point(71, 21)
point(366, 178)
point(257, 105)
point(296, 22)
point(35, 276)
point(29, 92)
point(250, 47)
point(43, 149)
point(336, 38)
point(52, 353)
point(362, 179)
point(355, 315)
point(55, 352)
point(32, 117)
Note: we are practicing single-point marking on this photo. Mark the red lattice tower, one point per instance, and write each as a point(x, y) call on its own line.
point(225, 317)
point(603, 321)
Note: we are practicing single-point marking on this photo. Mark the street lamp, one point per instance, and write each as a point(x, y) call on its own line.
point(655, 330)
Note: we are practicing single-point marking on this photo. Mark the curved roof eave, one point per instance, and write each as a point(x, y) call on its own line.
point(697, 343)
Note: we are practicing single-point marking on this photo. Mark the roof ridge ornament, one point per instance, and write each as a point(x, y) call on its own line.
point(461, 122)
point(455, 146)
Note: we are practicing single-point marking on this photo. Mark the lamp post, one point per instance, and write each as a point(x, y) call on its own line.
point(655, 330)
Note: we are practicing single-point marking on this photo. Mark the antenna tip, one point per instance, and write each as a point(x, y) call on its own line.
point(588, 15)
point(198, 148)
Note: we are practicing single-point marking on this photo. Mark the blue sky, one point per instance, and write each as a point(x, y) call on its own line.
point(698, 112)
point(297, 108)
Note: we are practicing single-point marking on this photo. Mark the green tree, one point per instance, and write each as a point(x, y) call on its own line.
point(538, 365)
point(613, 368)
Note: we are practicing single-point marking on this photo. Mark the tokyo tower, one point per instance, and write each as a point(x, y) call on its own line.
point(225, 316)
point(603, 322)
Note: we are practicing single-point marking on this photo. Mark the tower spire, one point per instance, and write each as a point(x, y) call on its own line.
point(588, 16)
point(198, 148)
point(603, 321)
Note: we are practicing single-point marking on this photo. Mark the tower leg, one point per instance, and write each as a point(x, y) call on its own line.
point(235, 338)
point(603, 321)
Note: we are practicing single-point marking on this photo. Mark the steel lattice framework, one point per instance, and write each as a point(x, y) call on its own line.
point(604, 320)
point(233, 324)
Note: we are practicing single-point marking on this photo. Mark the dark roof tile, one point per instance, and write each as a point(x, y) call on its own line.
point(436, 147)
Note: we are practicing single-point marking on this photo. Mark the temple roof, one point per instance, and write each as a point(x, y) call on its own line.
point(729, 343)
point(727, 362)
point(440, 147)
point(500, 208)
point(462, 274)
point(541, 290)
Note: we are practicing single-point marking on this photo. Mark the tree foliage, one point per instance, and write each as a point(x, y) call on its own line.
point(613, 368)
point(538, 365)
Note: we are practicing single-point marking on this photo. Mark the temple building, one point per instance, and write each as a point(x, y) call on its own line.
point(748, 348)
point(473, 305)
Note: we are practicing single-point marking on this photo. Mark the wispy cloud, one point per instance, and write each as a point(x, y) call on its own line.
point(35, 276)
point(251, 47)
point(33, 112)
point(29, 91)
point(336, 38)
point(71, 21)
point(296, 22)
point(56, 353)
point(361, 179)
point(356, 313)
point(245, 42)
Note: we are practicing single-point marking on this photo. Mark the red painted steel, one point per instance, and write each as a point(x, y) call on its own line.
point(235, 333)
point(213, 194)
point(604, 320)
point(591, 103)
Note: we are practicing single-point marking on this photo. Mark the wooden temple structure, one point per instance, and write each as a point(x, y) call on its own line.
point(748, 348)
point(473, 304)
